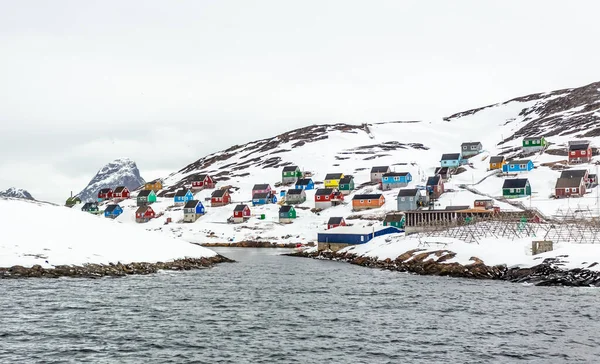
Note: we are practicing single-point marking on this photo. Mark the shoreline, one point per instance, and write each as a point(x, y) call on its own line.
point(249, 244)
point(93, 270)
point(544, 274)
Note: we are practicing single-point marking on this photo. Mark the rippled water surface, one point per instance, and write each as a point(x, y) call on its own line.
point(272, 309)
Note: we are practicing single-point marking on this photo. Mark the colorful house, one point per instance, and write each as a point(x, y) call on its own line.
point(378, 172)
point(580, 152)
point(327, 197)
point(394, 219)
point(516, 187)
point(155, 185)
point(144, 214)
point(332, 180)
point(305, 184)
point(295, 196)
point(347, 185)
point(121, 192)
point(409, 199)
point(470, 149)
point(241, 213)
point(576, 173)
point(435, 186)
point(344, 236)
point(518, 166)
point(485, 204)
point(570, 187)
point(287, 214)
point(261, 188)
point(193, 210)
point(263, 198)
point(112, 211)
point(534, 144)
point(72, 201)
point(105, 194)
point(182, 196)
point(395, 180)
point(290, 174)
point(146, 197)
point(220, 198)
point(367, 201)
point(451, 160)
point(334, 222)
point(202, 181)
point(497, 162)
point(91, 207)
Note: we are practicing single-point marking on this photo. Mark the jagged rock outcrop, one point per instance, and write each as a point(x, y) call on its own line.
point(120, 172)
point(14, 192)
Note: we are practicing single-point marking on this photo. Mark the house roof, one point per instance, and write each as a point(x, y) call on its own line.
point(304, 181)
point(240, 207)
point(191, 204)
point(295, 191)
point(515, 183)
point(346, 180)
point(145, 193)
point(219, 193)
point(198, 177)
point(368, 196)
point(380, 169)
point(393, 217)
point(142, 209)
point(408, 192)
point(591, 176)
point(119, 189)
point(458, 207)
point(580, 146)
point(485, 200)
point(469, 144)
point(396, 174)
point(497, 159)
point(324, 191)
point(262, 186)
point(573, 173)
point(290, 168)
point(181, 193)
point(111, 208)
point(260, 195)
point(335, 220)
point(87, 205)
point(450, 156)
point(105, 190)
point(520, 161)
point(334, 175)
point(286, 208)
point(533, 138)
point(568, 182)
point(433, 180)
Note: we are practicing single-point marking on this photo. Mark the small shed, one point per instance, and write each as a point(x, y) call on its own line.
point(287, 214)
point(241, 213)
point(378, 172)
point(295, 196)
point(334, 222)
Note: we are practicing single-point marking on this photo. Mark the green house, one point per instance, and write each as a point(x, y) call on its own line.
point(516, 187)
point(346, 185)
point(290, 174)
point(72, 201)
point(395, 220)
point(287, 213)
point(534, 143)
point(146, 197)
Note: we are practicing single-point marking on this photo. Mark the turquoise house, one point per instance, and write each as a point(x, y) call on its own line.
point(452, 160)
point(518, 166)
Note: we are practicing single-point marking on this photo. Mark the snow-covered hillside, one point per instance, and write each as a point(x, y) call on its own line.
point(14, 192)
point(120, 172)
point(49, 235)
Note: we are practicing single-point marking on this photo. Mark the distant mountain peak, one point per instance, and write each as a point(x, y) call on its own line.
point(119, 172)
point(14, 192)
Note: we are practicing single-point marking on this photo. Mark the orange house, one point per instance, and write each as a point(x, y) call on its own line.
point(154, 185)
point(367, 201)
point(497, 162)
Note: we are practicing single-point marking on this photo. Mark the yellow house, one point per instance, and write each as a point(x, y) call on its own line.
point(154, 186)
point(332, 180)
point(497, 162)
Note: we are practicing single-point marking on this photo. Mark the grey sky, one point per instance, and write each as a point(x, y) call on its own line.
point(164, 83)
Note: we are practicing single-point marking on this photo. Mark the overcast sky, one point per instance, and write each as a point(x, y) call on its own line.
point(166, 82)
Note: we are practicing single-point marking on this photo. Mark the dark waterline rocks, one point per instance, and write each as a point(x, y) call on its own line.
point(110, 270)
point(544, 274)
point(249, 244)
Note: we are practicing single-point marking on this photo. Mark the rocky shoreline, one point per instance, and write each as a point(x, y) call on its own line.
point(548, 273)
point(249, 244)
point(110, 270)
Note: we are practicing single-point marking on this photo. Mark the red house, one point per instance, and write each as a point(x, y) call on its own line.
point(335, 222)
point(327, 197)
point(435, 186)
point(202, 181)
point(580, 152)
point(144, 214)
point(570, 187)
point(121, 192)
point(483, 204)
point(241, 213)
point(105, 194)
point(220, 198)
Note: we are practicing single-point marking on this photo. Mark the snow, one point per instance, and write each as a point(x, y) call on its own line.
point(49, 235)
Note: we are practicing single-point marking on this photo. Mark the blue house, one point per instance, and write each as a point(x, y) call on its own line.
point(518, 166)
point(344, 236)
point(305, 184)
point(183, 196)
point(452, 160)
point(113, 211)
point(193, 210)
point(395, 180)
point(263, 198)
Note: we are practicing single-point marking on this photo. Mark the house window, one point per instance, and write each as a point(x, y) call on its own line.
point(567, 189)
point(518, 190)
point(512, 190)
point(368, 201)
point(583, 152)
point(327, 197)
point(473, 148)
point(493, 164)
point(318, 197)
point(574, 189)
point(522, 166)
point(362, 238)
point(396, 178)
point(412, 199)
point(402, 198)
point(362, 201)
point(464, 147)
point(573, 153)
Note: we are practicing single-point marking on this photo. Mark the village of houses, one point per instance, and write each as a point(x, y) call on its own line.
point(414, 203)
